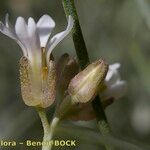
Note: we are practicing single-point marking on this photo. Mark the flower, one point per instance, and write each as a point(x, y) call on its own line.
point(115, 87)
point(37, 70)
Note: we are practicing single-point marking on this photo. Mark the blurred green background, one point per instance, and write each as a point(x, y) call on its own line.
point(116, 30)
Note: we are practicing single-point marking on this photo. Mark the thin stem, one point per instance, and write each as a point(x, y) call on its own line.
point(83, 59)
point(52, 129)
point(77, 35)
point(48, 129)
point(44, 120)
point(102, 120)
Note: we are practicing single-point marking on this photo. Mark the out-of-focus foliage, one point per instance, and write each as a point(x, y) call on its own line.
point(116, 30)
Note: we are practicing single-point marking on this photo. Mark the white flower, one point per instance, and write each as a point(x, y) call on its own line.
point(32, 36)
point(115, 87)
point(37, 71)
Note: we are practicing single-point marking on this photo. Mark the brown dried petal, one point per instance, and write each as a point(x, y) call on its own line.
point(63, 60)
point(69, 70)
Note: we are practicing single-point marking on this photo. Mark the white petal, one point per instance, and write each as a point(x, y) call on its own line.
point(9, 31)
point(22, 32)
point(7, 23)
point(114, 66)
point(34, 54)
point(6, 31)
point(59, 37)
point(45, 26)
point(116, 90)
point(11, 28)
point(35, 51)
point(113, 74)
point(24, 50)
point(112, 77)
point(35, 57)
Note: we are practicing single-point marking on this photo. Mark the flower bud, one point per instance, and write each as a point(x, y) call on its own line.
point(85, 85)
point(46, 92)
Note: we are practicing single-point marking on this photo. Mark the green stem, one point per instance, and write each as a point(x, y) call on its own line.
point(102, 120)
point(48, 129)
point(83, 59)
point(77, 35)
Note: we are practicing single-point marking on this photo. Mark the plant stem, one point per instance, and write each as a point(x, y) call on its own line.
point(52, 129)
point(77, 35)
point(102, 120)
point(83, 59)
point(48, 129)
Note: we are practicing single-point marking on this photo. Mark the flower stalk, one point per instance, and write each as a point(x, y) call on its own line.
point(48, 128)
point(83, 59)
